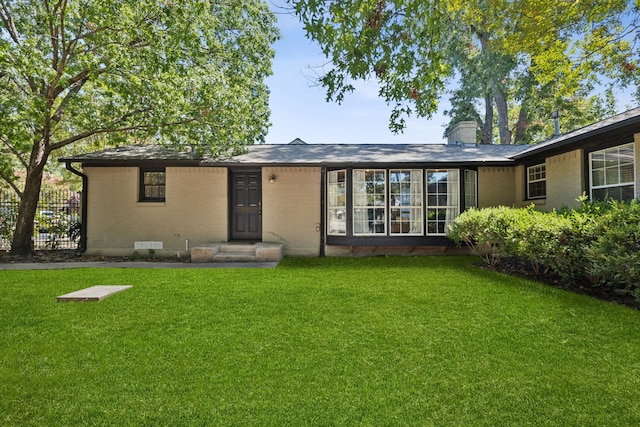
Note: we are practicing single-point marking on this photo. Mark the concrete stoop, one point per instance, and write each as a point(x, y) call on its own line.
point(238, 252)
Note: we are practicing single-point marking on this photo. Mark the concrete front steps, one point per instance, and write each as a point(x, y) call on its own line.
point(238, 252)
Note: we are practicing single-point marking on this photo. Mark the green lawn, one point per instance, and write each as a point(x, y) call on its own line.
point(374, 341)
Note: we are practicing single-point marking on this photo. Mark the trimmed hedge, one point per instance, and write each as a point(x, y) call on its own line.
point(598, 244)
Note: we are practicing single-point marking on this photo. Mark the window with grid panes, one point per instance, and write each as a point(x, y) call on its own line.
point(537, 181)
point(443, 200)
point(405, 202)
point(152, 185)
point(369, 202)
point(613, 173)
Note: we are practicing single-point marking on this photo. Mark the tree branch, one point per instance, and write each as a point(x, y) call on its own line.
point(7, 20)
point(9, 181)
point(87, 134)
point(53, 35)
point(14, 151)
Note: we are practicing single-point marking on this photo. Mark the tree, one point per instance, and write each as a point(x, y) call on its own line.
point(534, 58)
point(505, 54)
point(183, 72)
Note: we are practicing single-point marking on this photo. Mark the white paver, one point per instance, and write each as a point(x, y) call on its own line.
point(94, 293)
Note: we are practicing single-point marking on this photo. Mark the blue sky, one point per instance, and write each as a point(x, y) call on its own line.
point(299, 110)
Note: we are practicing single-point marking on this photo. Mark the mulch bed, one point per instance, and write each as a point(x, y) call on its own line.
point(74, 256)
point(522, 269)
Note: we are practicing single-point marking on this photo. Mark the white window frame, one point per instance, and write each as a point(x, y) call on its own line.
point(451, 208)
point(414, 224)
point(337, 203)
point(369, 210)
point(615, 152)
point(470, 188)
point(539, 174)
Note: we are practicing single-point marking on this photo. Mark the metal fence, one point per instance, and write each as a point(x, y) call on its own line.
point(57, 221)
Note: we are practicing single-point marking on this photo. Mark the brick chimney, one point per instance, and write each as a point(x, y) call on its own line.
point(464, 132)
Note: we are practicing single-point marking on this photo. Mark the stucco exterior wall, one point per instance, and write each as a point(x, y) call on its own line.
point(195, 209)
point(496, 186)
point(291, 209)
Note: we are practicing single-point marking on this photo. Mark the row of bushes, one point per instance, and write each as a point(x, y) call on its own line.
point(596, 244)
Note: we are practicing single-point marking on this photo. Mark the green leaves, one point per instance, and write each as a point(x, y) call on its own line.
point(522, 58)
point(598, 243)
point(396, 43)
point(183, 72)
point(189, 69)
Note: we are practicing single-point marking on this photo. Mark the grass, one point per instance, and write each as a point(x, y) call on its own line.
point(372, 341)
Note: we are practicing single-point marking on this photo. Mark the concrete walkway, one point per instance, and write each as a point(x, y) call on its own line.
point(131, 264)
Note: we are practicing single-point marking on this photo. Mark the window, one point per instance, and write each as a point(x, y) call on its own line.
point(337, 202)
point(613, 173)
point(369, 202)
point(395, 203)
point(537, 182)
point(470, 189)
point(152, 185)
point(405, 196)
point(442, 199)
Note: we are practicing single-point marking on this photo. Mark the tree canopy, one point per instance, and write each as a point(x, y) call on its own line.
point(181, 72)
point(514, 59)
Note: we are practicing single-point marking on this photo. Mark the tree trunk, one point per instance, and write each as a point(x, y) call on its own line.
point(486, 128)
point(23, 234)
point(499, 96)
point(522, 125)
point(503, 113)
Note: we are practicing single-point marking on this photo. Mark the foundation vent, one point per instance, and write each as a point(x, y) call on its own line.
point(147, 245)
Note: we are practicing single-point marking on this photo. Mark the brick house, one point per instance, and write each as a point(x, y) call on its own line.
point(340, 199)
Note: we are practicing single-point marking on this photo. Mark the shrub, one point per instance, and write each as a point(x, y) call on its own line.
point(615, 253)
point(598, 243)
point(538, 234)
point(487, 232)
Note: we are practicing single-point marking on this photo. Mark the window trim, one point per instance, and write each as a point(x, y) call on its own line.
point(352, 238)
point(465, 188)
point(141, 186)
point(530, 181)
point(337, 207)
point(437, 207)
point(411, 207)
point(632, 183)
point(373, 220)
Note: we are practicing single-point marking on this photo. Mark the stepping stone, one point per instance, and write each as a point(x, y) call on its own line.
point(94, 293)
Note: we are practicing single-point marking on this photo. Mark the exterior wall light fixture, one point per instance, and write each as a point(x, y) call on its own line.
point(272, 178)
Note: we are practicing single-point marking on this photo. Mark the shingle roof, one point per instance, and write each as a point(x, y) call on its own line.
point(627, 118)
point(337, 154)
point(315, 154)
point(366, 154)
point(133, 153)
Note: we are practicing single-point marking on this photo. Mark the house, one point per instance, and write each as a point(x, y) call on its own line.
point(340, 199)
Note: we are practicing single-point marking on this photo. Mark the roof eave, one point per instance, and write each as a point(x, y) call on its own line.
point(572, 140)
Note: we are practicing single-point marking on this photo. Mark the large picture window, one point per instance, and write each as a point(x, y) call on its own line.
point(405, 198)
point(399, 204)
point(152, 185)
point(443, 199)
point(337, 202)
point(613, 173)
point(537, 181)
point(369, 202)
